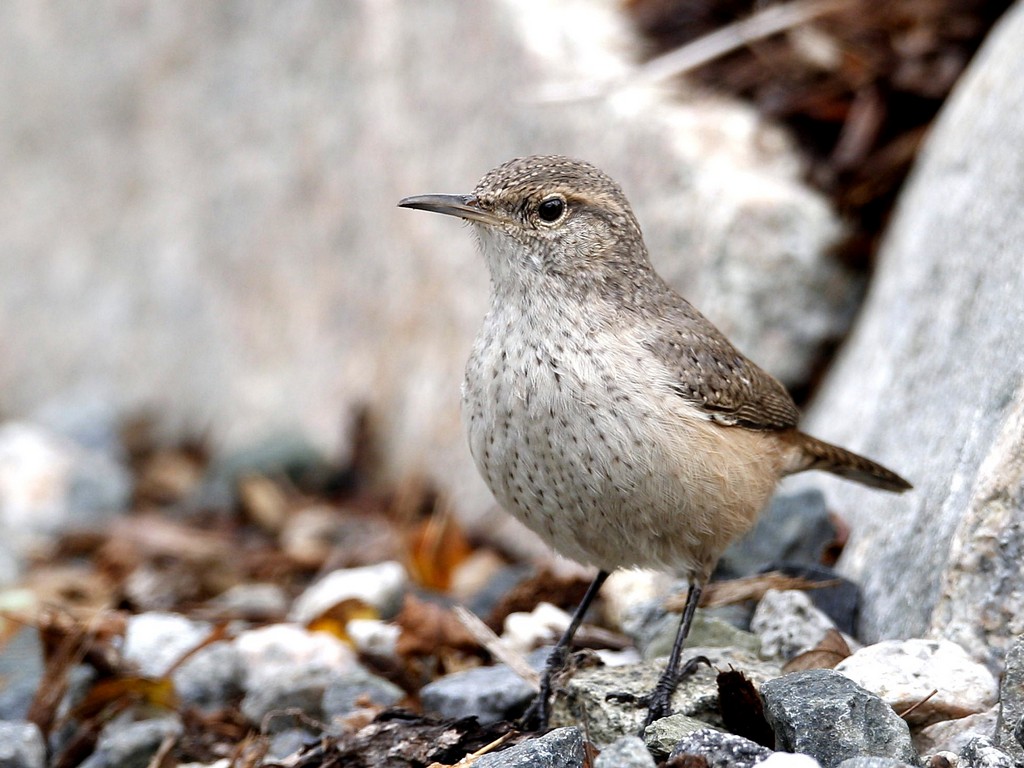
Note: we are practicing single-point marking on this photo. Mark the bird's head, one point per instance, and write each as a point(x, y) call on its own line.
point(551, 217)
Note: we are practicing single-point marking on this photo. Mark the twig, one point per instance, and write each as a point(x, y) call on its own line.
point(696, 53)
point(747, 588)
point(910, 709)
point(498, 649)
point(770, 21)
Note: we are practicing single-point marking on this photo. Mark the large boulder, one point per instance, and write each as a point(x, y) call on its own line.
point(931, 381)
point(199, 211)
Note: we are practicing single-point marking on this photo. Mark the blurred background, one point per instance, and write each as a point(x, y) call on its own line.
point(230, 366)
point(200, 248)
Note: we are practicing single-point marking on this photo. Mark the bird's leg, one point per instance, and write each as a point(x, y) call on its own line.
point(660, 701)
point(536, 717)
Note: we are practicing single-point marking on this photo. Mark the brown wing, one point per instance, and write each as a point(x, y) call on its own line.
point(712, 374)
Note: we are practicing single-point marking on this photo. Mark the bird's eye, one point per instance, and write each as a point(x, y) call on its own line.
point(551, 209)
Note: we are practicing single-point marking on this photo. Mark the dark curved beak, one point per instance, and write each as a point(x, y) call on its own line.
point(463, 206)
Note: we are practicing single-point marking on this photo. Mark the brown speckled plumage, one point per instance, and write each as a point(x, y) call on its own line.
point(603, 410)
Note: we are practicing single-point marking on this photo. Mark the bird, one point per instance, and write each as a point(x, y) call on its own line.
point(602, 409)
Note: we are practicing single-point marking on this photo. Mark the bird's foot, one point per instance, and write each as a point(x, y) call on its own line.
point(625, 697)
point(659, 701)
point(536, 716)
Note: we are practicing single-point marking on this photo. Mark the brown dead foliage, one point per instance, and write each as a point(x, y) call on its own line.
point(831, 650)
point(433, 640)
point(858, 87)
point(177, 551)
point(742, 709)
point(543, 587)
point(404, 740)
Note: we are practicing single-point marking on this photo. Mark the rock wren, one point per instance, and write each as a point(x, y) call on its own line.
point(602, 409)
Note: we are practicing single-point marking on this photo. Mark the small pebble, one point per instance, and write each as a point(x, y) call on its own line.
point(374, 636)
point(788, 623)
point(981, 753)
point(124, 743)
point(379, 586)
point(253, 602)
point(542, 626)
point(561, 748)
point(721, 750)
point(21, 745)
point(156, 640)
point(904, 672)
point(953, 735)
point(627, 752)
point(289, 667)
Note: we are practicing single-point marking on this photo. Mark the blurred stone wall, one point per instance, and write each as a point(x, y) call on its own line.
point(198, 213)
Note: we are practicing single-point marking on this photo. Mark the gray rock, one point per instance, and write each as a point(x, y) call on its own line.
point(663, 734)
point(873, 762)
point(343, 694)
point(208, 678)
point(482, 601)
point(787, 623)
point(584, 698)
point(21, 670)
point(953, 735)
point(255, 602)
point(153, 199)
point(906, 672)
point(375, 637)
point(289, 667)
point(981, 753)
point(80, 680)
point(840, 600)
point(92, 423)
point(283, 454)
point(155, 640)
point(721, 750)
point(1011, 703)
point(829, 717)
point(127, 744)
point(288, 742)
point(21, 745)
point(488, 693)
point(10, 564)
point(302, 690)
point(707, 631)
point(627, 752)
point(787, 760)
point(561, 748)
point(211, 677)
point(796, 528)
point(929, 381)
point(49, 485)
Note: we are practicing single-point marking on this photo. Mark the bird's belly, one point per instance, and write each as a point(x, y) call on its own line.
point(612, 475)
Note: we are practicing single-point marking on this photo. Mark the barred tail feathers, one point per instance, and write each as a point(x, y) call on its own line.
point(812, 453)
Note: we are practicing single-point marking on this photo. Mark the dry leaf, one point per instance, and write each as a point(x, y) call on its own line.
point(429, 629)
point(263, 502)
point(157, 692)
point(734, 591)
point(742, 710)
point(825, 655)
point(545, 586)
point(435, 547)
point(334, 621)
